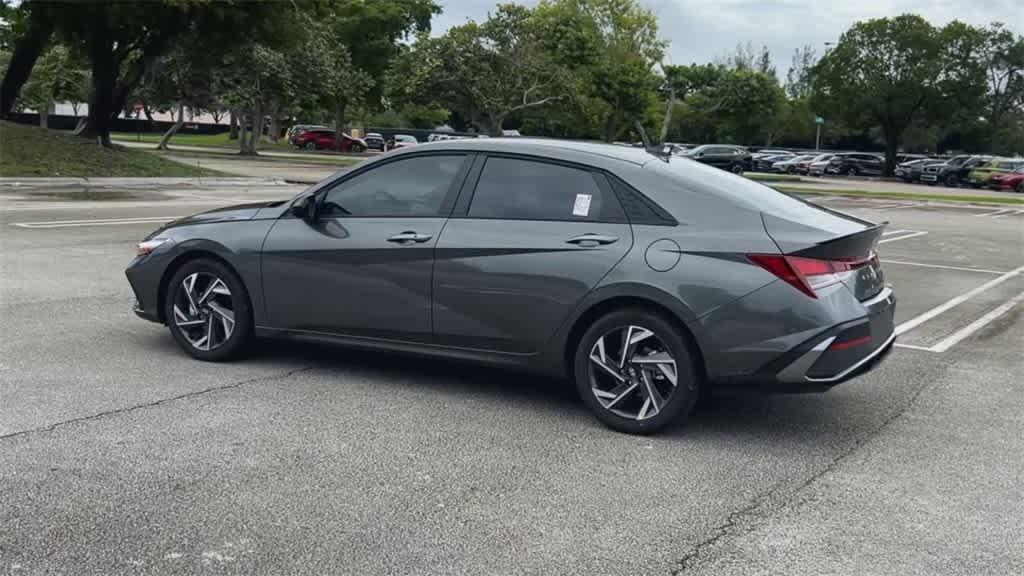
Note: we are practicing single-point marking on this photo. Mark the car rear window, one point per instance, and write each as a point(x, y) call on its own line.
point(743, 191)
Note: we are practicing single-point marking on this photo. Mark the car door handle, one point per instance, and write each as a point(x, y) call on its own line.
point(409, 237)
point(591, 240)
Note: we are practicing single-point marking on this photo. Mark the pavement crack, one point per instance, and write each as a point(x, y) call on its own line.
point(154, 403)
point(733, 520)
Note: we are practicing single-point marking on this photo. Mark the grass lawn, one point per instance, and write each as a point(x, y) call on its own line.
point(902, 195)
point(767, 177)
point(211, 140)
point(31, 151)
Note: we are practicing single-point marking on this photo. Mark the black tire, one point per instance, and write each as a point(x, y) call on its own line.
point(241, 335)
point(737, 168)
point(682, 398)
point(1020, 187)
point(851, 171)
point(951, 181)
point(310, 146)
point(358, 149)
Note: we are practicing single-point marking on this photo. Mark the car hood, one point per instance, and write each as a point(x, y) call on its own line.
point(240, 212)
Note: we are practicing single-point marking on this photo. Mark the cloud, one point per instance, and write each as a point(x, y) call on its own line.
point(700, 31)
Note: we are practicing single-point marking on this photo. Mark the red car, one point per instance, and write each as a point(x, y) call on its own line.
point(324, 140)
point(1008, 181)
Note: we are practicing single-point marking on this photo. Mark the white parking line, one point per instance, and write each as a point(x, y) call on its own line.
point(94, 222)
point(914, 235)
point(951, 340)
point(943, 267)
point(993, 214)
point(953, 302)
point(1008, 214)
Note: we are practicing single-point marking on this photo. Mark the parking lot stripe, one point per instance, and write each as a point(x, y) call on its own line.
point(997, 212)
point(951, 340)
point(913, 347)
point(943, 267)
point(914, 235)
point(953, 302)
point(94, 222)
point(1014, 213)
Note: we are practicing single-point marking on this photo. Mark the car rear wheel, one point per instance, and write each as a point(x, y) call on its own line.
point(310, 146)
point(357, 148)
point(1020, 187)
point(635, 371)
point(851, 171)
point(207, 310)
point(737, 169)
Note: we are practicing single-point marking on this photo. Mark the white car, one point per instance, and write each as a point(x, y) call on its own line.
point(819, 164)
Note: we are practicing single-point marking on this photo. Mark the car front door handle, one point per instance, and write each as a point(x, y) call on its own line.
point(410, 237)
point(591, 240)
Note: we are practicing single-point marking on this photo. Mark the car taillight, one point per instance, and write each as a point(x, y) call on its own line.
point(808, 274)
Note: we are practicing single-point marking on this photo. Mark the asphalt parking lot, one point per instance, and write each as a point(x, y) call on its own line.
point(120, 455)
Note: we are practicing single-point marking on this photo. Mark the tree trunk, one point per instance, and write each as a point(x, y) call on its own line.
point(339, 124)
point(233, 121)
point(243, 141)
point(275, 125)
point(44, 116)
point(74, 108)
point(147, 111)
point(173, 129)
point(104, 76)
point(81, 125)
point(216, 115)
point(667, 120)
point(26, 50)
point(892, 145)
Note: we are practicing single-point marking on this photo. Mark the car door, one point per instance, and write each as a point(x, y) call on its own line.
point(521, 251)
point(364, 266)
point(871, 164)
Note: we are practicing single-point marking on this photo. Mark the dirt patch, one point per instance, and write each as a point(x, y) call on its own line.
point(94, 195)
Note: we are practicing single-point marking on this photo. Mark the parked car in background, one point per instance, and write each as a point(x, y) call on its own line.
point(735, 159)
point(764, 162)
point(856, 164)
point(402, 141)
point(979, 176)
point(952, 172)
point(791, 165)
point(916, 171)
point(1009, 181)
point(906, 171)
point(374, 141)
point(901, 158)
point(300, 128)
point(325, 140)
point(819, 165)
point(772, 152)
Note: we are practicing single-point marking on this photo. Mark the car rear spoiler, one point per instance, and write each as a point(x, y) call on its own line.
point(855, 245)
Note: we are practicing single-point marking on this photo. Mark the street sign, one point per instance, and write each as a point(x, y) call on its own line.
point(819, 120)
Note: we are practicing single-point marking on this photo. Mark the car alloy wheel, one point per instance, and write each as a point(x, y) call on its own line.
point(952, 181)
point(851, 171)
point(632, 374)
point(737, 169)
point(204, 311)
point(310, 146)
point(1020, 187)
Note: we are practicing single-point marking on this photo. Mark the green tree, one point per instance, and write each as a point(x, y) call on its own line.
point(882, 72)
point(798, 78)
point(1002, 58)
point(54, 77)
point(27, 35)
point(485, 72)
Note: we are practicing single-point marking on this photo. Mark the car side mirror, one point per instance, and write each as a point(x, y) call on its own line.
point(305, 208)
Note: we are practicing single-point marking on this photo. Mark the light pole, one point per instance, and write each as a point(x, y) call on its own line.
point(818, 121)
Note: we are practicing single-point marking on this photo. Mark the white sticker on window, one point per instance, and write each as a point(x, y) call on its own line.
point(582, 205)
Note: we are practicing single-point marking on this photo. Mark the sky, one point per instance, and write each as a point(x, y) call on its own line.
point(701, 30)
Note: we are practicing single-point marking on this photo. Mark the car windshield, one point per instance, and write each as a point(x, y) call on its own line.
point(404, 138)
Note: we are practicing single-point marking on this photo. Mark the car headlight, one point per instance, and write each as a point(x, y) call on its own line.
point(147, 247)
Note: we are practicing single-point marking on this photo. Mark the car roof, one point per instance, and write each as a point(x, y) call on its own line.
point(545, 147)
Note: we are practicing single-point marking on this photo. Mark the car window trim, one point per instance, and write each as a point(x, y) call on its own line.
point(462, 211)
point(447, 203)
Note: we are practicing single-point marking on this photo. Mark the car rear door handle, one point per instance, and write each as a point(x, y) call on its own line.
point(409, 237)
point(591, 240)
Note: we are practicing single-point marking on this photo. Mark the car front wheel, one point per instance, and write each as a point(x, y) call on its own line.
point(310, 146)
point(635, 371)
point(952, 181)
point(1020, 187)
point(207, 310)
point(851, 171)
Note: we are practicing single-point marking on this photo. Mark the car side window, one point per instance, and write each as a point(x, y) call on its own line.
point(516, 189)
point(410, 187)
